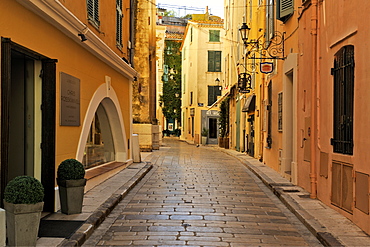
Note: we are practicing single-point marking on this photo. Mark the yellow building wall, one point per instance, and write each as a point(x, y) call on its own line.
point(35, 33)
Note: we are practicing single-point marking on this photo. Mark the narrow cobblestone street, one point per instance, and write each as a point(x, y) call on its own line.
point(196, 196)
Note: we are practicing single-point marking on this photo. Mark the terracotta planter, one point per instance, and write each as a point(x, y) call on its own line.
point(22, 223)
point(226, 142)
point(71, 194)
point(221, 143)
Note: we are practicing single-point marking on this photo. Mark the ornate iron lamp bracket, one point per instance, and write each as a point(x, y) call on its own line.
point(268, 49)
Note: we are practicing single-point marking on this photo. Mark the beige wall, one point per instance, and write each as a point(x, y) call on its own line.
point(195, 75)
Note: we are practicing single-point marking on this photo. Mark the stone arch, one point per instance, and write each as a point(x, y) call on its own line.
point(107, 98)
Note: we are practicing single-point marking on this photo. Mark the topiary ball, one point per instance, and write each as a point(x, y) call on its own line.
point(24, 190)
point(70, 169)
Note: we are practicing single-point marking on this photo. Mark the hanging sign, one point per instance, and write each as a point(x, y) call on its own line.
point(266, 67)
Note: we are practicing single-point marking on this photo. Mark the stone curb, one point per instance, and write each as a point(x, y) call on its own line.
point(314, 226)
point(99, 215)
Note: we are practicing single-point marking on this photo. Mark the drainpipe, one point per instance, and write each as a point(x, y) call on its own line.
point(313, 176)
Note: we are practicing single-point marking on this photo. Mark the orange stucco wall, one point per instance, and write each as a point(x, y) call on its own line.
point(340, 23)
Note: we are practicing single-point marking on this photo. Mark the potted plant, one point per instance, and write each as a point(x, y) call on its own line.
point(71, 182)
point(204, 136)
point(23, 203)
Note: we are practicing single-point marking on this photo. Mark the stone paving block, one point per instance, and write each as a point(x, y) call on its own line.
point(157, 243)
point(186, 217)
point(166, 228)
point(208, 243)
point(204, 229)
point(199, 238)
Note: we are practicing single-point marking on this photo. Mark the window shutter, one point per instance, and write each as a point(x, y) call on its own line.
point(211, 59)
point(214, 35)
point(217, 61)
point(119, 17)
point(90, 9)
point(210, 95)
point(93, 11)
point(284, 8)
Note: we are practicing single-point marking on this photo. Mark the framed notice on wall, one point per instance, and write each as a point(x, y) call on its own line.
point(69, 100)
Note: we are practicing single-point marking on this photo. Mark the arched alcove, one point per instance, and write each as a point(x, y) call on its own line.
point(105, 105)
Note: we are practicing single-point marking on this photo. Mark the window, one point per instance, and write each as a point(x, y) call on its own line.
point(214, 61)
point(119, 16)
point(284, 9)
point(213, 92)
point(191, 34)
point(93, 12)
point(99, 145)
point(269, 116)
point(343, 73)
point(214, 35)
point(280, 111)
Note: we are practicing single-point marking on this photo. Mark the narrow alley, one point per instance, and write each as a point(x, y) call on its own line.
point(196, 196)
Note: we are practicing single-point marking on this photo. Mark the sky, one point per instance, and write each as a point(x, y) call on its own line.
point(216, 7)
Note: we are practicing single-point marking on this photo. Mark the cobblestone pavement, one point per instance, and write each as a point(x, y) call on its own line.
point(196, 196)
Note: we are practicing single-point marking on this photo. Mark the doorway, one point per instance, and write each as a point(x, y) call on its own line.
point(27, 117)
point(251, 136)
point(213, 131)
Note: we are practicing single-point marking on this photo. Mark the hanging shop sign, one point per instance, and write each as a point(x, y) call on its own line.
point(266, 67)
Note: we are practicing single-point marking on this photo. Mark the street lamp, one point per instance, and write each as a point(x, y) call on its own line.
point(217, 81)
point(244, 32)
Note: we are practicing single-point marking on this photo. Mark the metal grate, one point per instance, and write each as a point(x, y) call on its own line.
point(343, 73)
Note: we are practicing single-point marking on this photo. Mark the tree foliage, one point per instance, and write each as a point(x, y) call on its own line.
point(170, 100)
point(224, 118)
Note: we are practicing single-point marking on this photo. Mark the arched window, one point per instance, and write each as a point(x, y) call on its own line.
point(99, 145)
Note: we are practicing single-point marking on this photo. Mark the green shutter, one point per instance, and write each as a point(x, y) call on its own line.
point(214, 35)
point(211, 61)
point(217, 61)
point(214, 61)
point(284, 8)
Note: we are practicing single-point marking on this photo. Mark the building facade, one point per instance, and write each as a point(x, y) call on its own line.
point(66, 85)
point(144, 86)
point(311, 106)
point(201, 77)
point(332, 106)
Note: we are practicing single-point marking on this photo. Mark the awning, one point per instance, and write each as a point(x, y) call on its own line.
point(219, 100)
point(250, 104)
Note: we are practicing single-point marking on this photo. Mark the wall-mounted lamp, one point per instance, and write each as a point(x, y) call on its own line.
point(244, 32)
point(83, 37)
point(263, 48)
point(217, 81)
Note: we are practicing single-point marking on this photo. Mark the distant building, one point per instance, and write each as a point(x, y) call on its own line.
point(202, 69)
point(169, 30)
